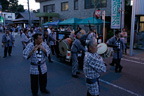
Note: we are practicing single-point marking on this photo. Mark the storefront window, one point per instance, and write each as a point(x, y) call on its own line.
point(141, 24)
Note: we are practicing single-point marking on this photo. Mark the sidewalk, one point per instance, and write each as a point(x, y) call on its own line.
point(137, 54)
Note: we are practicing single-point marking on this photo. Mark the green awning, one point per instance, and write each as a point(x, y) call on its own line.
point(91, 20)
point(71, 21)
point(46, 14)
point(46, 24)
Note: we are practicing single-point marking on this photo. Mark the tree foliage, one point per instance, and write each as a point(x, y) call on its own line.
point(20, 8)
point(5, 5)
point(11, 6)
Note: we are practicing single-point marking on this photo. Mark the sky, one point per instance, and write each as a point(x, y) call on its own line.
point(33, 5)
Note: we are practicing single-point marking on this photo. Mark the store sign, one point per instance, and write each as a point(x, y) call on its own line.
point(97, 13)
point(115, 14)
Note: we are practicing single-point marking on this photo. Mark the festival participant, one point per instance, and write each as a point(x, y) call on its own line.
point(118, 46)
point(37, 51)
point(93, 66)
point(76, 47)
point(8, 41)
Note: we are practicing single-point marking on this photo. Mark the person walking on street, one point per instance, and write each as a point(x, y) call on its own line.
point(25, 38)
point(93, 66)
point(76, 47)
point(118, 46)
point(8, 41)
point(49, 38)
point(53, 43)
point(37, 51)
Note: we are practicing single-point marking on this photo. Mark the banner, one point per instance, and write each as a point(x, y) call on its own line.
point(1, 19)
point(115, 14)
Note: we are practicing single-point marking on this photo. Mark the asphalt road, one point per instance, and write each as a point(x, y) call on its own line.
point(15, 78)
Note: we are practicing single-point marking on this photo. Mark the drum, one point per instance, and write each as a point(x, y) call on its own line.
point(64, 46)
point(103, 50)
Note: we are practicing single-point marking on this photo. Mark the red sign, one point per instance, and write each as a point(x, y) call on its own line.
point(97, 13)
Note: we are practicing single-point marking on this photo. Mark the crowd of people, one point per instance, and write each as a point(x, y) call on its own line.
point(39, 44)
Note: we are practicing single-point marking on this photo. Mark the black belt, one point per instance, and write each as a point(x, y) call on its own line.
point(39, 69)
point(91, 81)
point(37, 64)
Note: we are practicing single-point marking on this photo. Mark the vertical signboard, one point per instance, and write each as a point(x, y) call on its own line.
point(115, 14)
point(1, 19)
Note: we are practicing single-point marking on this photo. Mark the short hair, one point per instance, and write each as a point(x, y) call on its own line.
point(91, 29)
point(90, 42)
point(117, 32)
point(25, 30)
point(6, 30)
point(35, 36)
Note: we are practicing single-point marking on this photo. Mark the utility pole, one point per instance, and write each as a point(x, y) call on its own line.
point(132, 27)
point(29, 14)
point(123, 14)
point(103, 17)
point(121, 11)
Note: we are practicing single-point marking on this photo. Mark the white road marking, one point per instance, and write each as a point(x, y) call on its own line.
point(126, 90)
point(132, 57)
point(133, 61)
point(108, 83)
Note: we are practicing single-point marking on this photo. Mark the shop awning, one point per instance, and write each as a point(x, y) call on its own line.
point(71, 21)
point(91, 20)
point(46, 14)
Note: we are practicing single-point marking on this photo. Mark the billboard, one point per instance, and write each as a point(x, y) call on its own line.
point(115, 14)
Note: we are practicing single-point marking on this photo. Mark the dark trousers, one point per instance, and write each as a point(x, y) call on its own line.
point(38, 80)
point(53, 49)
point(113, 62)
point(49, 57)
point(118, 66)
point(125, 48)
point(7, 49)
point(57, 49)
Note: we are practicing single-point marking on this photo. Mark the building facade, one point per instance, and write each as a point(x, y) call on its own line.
point(140, 15)
point(22, 19)
point(7, 18)
point(51, 10)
